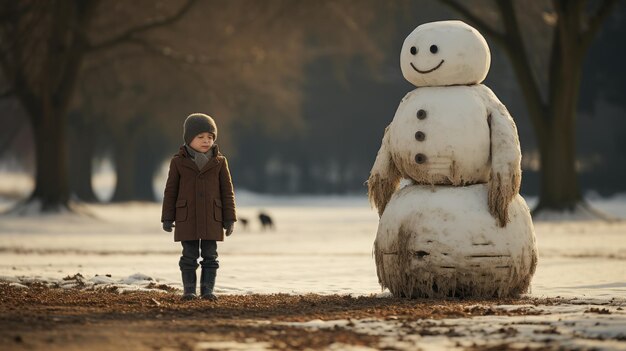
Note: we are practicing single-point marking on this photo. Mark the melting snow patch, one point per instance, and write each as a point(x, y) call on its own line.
point(102, 279)
point(135, 282)
point(9, 279)
point(249, 345)
point(320, 324)
point(385, 294)
point(566, 325)
point(137, 278)
point(346, 347)
point(18, 285)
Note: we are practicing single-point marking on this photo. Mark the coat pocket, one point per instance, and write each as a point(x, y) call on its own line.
point(181, 210)
point(217, 210)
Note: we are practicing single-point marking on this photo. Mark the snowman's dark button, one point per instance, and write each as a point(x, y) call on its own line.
point(420, 136)
point(420, 158)
point(421, 114)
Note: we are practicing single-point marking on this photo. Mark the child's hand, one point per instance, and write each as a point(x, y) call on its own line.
point(168, 225)
point(229, 226)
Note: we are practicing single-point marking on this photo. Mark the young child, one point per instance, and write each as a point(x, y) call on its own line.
point(199, 198)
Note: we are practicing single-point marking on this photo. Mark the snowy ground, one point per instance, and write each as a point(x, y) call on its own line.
point(563, 327)
point(323, 245)
point(320, 245)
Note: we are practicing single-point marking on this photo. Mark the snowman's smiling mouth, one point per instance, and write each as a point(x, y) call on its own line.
point(428, 70)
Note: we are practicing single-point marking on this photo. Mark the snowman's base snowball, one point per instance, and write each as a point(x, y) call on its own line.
point(441, 241)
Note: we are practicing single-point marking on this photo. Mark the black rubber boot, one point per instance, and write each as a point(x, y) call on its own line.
point(207, 283)
point(189, 285)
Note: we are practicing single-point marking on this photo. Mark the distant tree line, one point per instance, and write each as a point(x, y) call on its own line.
point(128, 73)
point(302, 92)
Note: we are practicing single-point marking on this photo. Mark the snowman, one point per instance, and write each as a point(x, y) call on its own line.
point(447, 176)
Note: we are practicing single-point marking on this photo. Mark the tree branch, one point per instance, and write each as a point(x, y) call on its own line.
point(7, 69)
point(554, 63)
point(175, 56)
point(516, 50)
point(476, 21)
point(7, 138)
point(512, 43)
point(561, 25)
point(7, 93)
point(131, 32)
point(10, 12)
point(594, 22)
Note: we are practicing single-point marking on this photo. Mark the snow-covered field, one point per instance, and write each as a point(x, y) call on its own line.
point(321, 245)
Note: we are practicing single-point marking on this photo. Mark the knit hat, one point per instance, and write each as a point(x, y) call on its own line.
point(197, 123)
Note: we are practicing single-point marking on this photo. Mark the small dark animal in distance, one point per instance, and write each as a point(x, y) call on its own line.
point(266, 221)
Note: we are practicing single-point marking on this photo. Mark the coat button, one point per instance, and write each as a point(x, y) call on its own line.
point(420, 158)
point(420, 136)
point(421, 114)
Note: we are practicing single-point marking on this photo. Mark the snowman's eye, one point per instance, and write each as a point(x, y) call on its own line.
point(434, 49)
point(413, 50)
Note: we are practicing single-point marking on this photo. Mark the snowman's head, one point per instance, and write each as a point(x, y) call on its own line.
point(445, 53)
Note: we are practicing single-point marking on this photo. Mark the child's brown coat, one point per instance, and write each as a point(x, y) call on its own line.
point(199, 201)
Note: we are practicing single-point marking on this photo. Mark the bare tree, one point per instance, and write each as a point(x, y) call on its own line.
point(552, 109)
point(241, 62)
point(248, 55)
point(42, 47)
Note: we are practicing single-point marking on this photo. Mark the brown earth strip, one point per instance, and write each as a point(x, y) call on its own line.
point(51, 318)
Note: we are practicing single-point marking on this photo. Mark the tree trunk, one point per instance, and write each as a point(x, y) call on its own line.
point(554, 122)
point(560, 190)
point(307, 185)
point(146, 166)
point(48, 103)
point(51, 181)
point(559, 179)
point(81, 170)
point(125, 171)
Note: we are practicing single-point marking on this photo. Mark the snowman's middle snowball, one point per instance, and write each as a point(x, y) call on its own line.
point(434, 141)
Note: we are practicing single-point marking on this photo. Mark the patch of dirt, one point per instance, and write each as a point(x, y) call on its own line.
point(41, 317)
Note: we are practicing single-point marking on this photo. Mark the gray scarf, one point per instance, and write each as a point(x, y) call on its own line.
point(198, 157)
